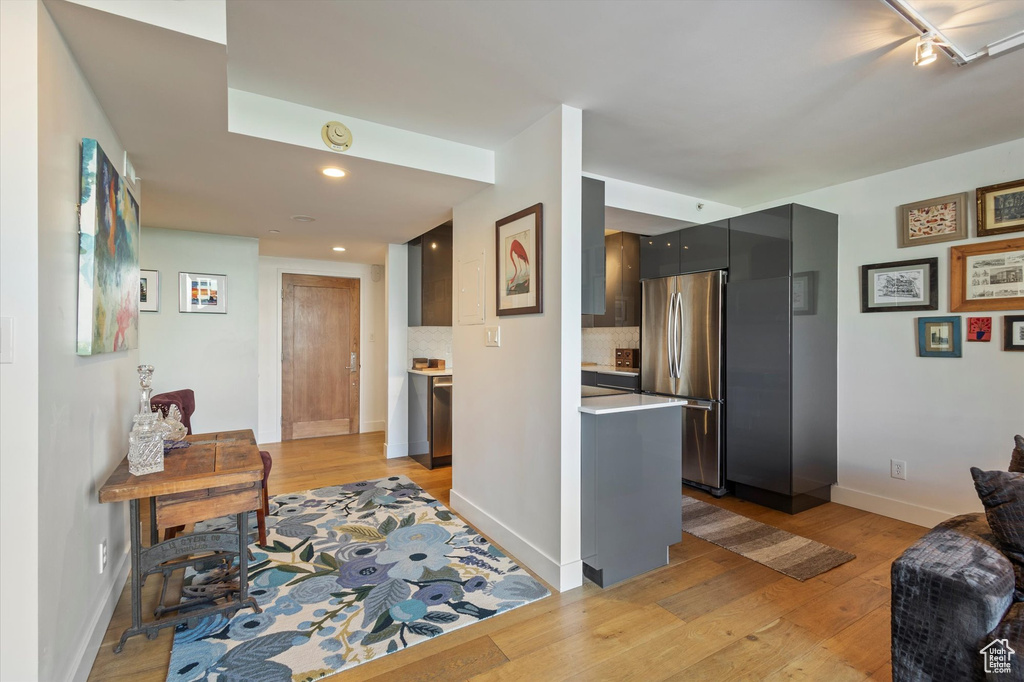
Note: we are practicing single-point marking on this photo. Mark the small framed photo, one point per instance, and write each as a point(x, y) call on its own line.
point(149, 291)
point(979, 328)
point(938, 337)
point(520, 242)
point(900, 286)
point(1013, 332)
point(202, 293)
point(805, 293)
point(1001, 208)
point(987, 276)
point(942, 219)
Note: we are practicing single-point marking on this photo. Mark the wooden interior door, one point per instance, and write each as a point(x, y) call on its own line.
point(320, 356)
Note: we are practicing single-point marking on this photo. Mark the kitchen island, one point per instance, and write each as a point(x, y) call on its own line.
point(632, 482)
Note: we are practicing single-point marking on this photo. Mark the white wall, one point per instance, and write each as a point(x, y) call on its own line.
point(941, 415)
point(373, 370)
point(19, 382)
point(516, 429)
point(85, 403)
point(214, 355)
point(396, 296)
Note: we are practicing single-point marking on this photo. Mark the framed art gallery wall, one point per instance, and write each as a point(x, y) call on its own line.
point(213, 354)
point(933, 428)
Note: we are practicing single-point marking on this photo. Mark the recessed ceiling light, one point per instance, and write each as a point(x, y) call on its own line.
point(274, 231)
point(303, 218)
point(334, 172)
point(433, 245)
point(339, 248)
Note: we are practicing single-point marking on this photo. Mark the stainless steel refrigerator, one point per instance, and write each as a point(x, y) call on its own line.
point(681, 354)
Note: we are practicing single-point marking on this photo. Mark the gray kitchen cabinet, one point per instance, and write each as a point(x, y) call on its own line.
point(593, 247)
point(631, 497)
point(622, 282)
point(692, 249)
point(430, 278)
point(781, 348)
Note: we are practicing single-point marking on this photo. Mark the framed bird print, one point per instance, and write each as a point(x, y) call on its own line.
point(520, 243)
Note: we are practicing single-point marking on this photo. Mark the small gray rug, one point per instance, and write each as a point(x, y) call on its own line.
point(789, 554)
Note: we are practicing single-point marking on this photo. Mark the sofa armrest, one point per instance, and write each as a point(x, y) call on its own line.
point(949, 590)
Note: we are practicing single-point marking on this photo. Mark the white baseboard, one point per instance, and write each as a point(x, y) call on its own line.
point(894, 509)
point(90, 646)
point(392, 450)
point(560, 576)
point(272, 436)
point(368, 427)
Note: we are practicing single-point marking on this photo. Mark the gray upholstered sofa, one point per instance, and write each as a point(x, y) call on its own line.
point(952, 594)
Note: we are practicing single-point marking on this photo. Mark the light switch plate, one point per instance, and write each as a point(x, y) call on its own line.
point(6, 340)
point(493, 336)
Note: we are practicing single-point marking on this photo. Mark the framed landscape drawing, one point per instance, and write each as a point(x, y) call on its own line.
point(987, 276)
point(900, 286)
point(1013, 332)
point(938, 337)
point(1001, 208)
point(519, 239)
point(942, 219)
point(108, 257)
point(202, 293)
point(149, 291)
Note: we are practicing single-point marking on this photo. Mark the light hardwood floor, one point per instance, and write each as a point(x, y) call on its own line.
point(710, 614)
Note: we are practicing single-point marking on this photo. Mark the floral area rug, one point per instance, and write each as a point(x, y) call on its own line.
point(351, 573)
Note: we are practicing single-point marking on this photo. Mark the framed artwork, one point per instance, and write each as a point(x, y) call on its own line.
point(149, 291)
point(805, 293)
point(1001, 208)
point(987, 276)
point(938, 337)
point(942, 219)
point(202, 293)
point(900, 286)
point(1013, 332)
point(519, 239)
point(979, 328)
point(108, 257)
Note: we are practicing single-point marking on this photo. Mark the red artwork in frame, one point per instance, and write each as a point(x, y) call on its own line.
point(979, 328)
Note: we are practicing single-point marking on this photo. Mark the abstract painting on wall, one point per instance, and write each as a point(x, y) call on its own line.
point(108, 260)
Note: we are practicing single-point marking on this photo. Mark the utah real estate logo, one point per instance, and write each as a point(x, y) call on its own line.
point(998, 655)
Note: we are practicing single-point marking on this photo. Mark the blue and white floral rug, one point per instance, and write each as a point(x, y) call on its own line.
point(351, 573)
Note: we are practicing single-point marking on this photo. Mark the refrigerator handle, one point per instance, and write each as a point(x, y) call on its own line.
point(671, 334)
point(679, 334)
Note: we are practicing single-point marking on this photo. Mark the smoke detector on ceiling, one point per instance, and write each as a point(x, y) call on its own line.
point(336, 136)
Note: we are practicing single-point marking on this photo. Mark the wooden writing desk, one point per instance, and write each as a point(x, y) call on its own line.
point(217, 475)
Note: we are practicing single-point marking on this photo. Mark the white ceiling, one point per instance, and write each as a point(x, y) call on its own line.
point(739, 102)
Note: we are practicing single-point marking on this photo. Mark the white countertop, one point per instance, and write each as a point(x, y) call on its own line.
point(611, 369)
point(629, 402)
point(446, 372)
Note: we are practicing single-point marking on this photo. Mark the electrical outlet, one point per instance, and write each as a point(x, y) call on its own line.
point(103, 555)
point(898, 469)
point(373, 337)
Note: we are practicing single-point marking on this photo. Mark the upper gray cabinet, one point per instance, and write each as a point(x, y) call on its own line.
point(593, 247)
point(622, 281)
point(691, 249)
point(430, 278)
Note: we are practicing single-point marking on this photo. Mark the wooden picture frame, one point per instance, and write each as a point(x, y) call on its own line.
point(519, 242)
point(1000, 208)
point(149, 291)
point(900, 286)
point(939, 337)
point(1013, 332)
point(942, 219)
point(987, 276)
point(202, 293)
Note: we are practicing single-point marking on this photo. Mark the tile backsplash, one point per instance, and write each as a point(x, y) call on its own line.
point(430, 342)
point(599, 343)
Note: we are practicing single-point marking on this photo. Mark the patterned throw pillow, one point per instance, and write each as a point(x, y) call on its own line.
point(1002, 493)
point(1017, 458)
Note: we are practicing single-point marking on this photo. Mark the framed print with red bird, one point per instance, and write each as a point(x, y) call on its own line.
point(520, 242)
